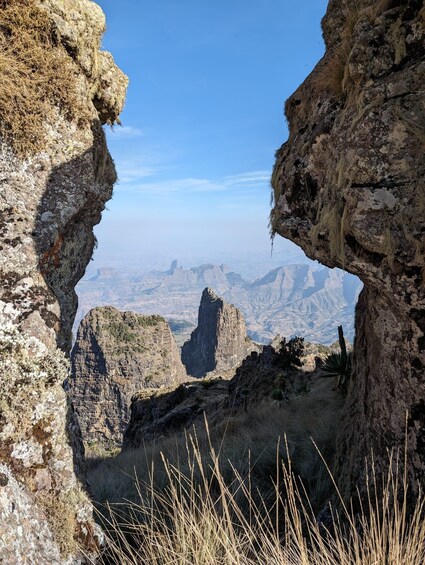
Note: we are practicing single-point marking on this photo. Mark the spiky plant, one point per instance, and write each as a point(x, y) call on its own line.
point(338, 365)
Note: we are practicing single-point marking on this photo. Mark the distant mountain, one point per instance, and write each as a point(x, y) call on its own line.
point(290, 300)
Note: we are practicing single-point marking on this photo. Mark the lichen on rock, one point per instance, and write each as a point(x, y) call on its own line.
point(349, 189)
point(37, 464)
point(56, 174)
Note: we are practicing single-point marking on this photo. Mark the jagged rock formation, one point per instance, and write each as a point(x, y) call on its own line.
point(117, 354)
point(56, 174)
point(349, 189)
point(220, 341)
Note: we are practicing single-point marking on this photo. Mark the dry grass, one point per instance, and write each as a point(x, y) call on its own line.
point(249, 491)
point(236, 437)
point(382, 6)
point(36, 74)
point(332, 75)
point(202, 518)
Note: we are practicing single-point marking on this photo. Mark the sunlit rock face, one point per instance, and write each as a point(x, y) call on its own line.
point(116, 355)
point(349, 189)
point(56, 175)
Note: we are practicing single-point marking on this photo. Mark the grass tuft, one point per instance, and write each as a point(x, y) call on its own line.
point(201, 516)
point(36, 74)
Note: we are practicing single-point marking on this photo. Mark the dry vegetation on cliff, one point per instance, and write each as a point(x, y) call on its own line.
point(334, 75)
point(36, 73)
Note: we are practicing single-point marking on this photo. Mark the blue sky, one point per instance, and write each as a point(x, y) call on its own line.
point(203, 118)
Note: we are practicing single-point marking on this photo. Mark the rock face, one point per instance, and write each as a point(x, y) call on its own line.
point(349, 189)
point(220, 341)
point(117, 354)
point(56, 175)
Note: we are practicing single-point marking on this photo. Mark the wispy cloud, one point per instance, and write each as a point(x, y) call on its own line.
point(251, 177)
point(123, 132)
point(128, 174)
point(231, 183)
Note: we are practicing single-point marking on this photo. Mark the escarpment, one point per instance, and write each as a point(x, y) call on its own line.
point(220, 341)
point(349, 189)
point(56, 174)
point(117, 354)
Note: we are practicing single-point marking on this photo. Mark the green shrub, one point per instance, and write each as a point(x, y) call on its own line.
point(277, 394)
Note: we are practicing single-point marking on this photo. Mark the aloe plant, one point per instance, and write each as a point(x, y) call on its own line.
point(339, 366)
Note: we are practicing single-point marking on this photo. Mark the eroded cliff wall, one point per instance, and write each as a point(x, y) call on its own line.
point(349, 189)
point(56, 174)
point(117, 354)
point(220, 341)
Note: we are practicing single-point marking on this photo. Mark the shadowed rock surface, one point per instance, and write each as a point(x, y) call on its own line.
point(117, 354)
point(164, 412)
point(158, 413)
point(349, 189)
point(220, 341)
point(56, 175)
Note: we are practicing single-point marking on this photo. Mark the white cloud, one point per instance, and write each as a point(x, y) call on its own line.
point(131, 173)
point(123, 132)
point(231, 183)
point(251, 177)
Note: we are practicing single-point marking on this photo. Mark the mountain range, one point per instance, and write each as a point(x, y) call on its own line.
point(302, 299)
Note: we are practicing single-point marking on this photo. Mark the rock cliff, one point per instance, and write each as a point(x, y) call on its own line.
point(349, 189)
point(220, 341)
point(56, 174)
point(117, 354)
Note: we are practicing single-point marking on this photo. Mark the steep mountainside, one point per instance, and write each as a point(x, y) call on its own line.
point(158, 413)
point(349, 188)
point(56, 174)
point(220, 341)
point(115, 355)
point(294, 299)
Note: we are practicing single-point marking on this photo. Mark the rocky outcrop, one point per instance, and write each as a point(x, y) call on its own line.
point(220, 341)
point(164, 412)
point(349, 189)
point(307, 300)
point(56, 174)
point(263, 378)
point(117, 354)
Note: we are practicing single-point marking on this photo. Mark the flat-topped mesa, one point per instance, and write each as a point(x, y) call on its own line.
point(349, 189)
point(220, 341)
point(117, 354)
point(56, 174)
